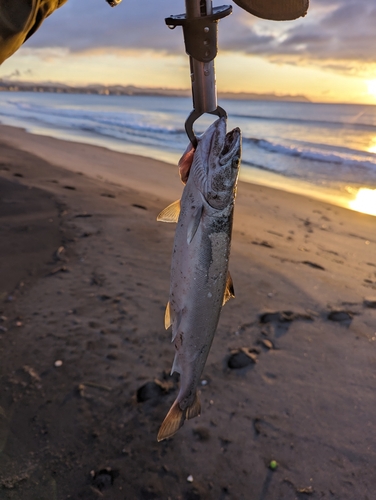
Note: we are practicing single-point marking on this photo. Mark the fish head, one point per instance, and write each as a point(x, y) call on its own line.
point(219, 155)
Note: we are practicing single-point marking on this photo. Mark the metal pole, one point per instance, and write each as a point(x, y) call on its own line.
point(204, 89)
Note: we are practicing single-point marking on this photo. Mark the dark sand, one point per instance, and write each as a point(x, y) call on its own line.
point(84, 278)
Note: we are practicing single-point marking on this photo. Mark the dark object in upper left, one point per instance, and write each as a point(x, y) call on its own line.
point(19, 19)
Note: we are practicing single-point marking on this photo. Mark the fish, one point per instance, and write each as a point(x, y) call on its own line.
point(200, 282)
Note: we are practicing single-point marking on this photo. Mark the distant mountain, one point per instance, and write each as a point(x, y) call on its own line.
point(252, 96)
point(61, 88)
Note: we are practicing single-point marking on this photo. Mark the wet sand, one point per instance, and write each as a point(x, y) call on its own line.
point(84, 279)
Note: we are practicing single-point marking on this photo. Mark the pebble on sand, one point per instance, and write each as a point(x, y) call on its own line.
point(58, 363)
point(190, 478)
point(268, 344)
point(273, 465)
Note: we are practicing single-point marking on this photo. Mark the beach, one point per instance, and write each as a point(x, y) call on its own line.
point(85, 359)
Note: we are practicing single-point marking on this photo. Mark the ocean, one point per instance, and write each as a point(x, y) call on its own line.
point(325, 151)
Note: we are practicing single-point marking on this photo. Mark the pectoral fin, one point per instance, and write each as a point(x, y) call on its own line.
point(170, 213)
point(194, 223)
point(229, 290)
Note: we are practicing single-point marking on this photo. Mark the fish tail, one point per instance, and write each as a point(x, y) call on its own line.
point(172, 423)
point(176, 416)
point(195, 409)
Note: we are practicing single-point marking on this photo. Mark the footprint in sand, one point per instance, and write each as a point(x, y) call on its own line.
point(150, 390)
point(104, 478)
point(240, 358)
point(370, 302)
point(341, 316)
point(155, 389)
point(313, 264)
point(263, 243)
point(201, 433)
point(281, 320)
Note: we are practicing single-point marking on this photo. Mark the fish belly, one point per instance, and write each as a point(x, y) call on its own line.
point(198, 280)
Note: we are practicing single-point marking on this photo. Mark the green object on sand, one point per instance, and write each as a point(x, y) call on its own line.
point(273, 465)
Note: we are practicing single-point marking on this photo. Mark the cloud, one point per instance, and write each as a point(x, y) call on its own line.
point(339, 35)
point(83, 25)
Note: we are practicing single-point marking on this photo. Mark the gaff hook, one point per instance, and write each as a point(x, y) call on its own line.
point(200, 29)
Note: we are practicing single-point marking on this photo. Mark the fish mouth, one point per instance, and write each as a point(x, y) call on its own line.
point(217, 145)
point(231, 145)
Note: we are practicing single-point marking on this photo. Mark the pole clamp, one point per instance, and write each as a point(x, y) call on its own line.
point(200, 33)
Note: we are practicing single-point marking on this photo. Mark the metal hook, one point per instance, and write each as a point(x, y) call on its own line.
point(194, 115)
point(200, 29)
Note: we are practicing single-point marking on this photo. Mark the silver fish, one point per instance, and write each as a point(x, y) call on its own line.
point(200, 282)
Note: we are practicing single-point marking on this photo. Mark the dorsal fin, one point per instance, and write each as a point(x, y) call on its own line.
point(170, 213)
point(229, 290)
point(194, 223)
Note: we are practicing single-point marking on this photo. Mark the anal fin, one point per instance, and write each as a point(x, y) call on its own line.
point(172, 423)
point(176, 365)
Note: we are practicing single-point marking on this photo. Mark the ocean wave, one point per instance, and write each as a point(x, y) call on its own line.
point(309, 121)
point(156, 127)
point(317, 156)
point(132, 123)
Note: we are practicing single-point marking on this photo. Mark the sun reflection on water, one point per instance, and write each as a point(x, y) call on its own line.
point(365, 201)
point(372, 145)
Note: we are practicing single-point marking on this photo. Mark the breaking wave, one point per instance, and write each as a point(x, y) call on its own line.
point(316, 143)
point(350, 159)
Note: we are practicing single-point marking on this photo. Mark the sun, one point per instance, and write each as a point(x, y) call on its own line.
point(365, 201)
point(371, 87)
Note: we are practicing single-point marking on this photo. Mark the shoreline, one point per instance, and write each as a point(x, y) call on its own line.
point(256, 177)
point(86, 360)
point(159, 181)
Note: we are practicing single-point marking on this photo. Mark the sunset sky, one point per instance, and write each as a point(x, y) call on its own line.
point(330, 55)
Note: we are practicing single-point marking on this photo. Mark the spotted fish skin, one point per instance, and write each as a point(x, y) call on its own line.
point(200, 282)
